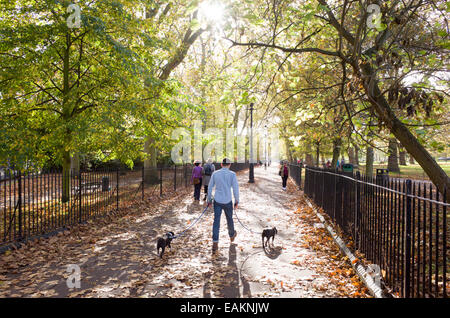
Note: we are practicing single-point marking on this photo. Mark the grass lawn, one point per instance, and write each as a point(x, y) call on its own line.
point(410, 171)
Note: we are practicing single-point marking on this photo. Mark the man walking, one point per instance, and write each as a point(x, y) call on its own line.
point(223, 180)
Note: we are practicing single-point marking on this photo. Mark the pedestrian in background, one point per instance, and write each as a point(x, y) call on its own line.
point(342, 164)
point(284, 173)
point(196, 180)
point(207, 171)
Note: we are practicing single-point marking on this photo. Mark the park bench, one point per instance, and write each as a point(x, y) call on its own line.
point(94, 186)
point(88, 186)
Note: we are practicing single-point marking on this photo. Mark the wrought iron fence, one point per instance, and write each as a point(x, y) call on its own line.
point(398, 224)
point(295, 172)
point(34, 204)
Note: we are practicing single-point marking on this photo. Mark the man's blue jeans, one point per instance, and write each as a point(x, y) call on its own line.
point(228, 208)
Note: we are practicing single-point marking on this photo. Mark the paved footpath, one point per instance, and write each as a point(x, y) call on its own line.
point(118, 258)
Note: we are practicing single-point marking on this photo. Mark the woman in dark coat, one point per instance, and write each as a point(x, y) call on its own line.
point(284, 173)
point(196, 180)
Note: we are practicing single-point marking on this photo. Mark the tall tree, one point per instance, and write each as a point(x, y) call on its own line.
point(65, 84)
point(182, 15)
point(365, 52)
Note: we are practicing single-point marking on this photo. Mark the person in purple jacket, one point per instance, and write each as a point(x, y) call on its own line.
point(196, 180)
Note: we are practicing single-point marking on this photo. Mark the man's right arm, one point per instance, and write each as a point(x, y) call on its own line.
point(210, 187)
point(235, 186)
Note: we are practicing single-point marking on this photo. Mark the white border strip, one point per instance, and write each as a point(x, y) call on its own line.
point(374, 289)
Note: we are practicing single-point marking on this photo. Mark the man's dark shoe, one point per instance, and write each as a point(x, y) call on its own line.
point(215, 247)
point(233, 237)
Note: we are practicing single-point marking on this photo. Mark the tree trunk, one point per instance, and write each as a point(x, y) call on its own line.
point(317, 154)
point(381, 107)
point(189, 38)
point(434, 171)
point(288, 149)
point(369, 162)
point(308, 157)
point(393, 156)
point(66, 115)
point(75, 163)
point(65, 191)
point(151, 175)
point(150, 167)
point(337, 143)
point(351, 155)
point(402, 157)
point(411, 160)
point(356, 155)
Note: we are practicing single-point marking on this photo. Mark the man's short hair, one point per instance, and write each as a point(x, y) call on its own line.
point(226, 162)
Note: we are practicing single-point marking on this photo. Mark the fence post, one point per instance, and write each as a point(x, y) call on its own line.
point(185, 175)
point(305, 186)
point(357, 209)
point(323, 190)
point(19, 204)
point(407, 259)
point(314, 187)
point(79, 198)
point(117, 196)
point(444, 243)
point(339, 193)
point(175, 178)
point(143, 183)
point(334, 194)
point(308, 181)
point(160, 182)
point(300, 178)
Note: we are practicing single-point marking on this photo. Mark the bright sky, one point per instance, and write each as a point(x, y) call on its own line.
point(212, 12)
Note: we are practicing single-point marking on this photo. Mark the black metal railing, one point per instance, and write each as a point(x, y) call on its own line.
point(295, 172)
point(35, 204)
point(234, 166)
point(400, 225)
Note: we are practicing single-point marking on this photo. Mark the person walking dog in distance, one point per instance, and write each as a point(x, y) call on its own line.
point(284, 173)
point(196, 180)
point(207, 171)
point(223, 180)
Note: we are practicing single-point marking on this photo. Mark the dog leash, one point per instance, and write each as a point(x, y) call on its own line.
point(181, 234)
point(198, 218)
point(244, 225)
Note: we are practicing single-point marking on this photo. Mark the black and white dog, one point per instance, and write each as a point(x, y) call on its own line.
point(268, 233)
point(163, 242)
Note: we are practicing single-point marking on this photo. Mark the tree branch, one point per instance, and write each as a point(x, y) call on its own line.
point(284, 49)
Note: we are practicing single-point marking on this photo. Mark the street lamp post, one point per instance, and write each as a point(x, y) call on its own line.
point(251, 175)
point(265, 147)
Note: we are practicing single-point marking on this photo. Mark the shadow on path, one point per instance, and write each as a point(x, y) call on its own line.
point(273, 252)
point(223, 279)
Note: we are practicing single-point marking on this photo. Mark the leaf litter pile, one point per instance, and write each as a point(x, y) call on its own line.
point(117, 254)
point(328, 259)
